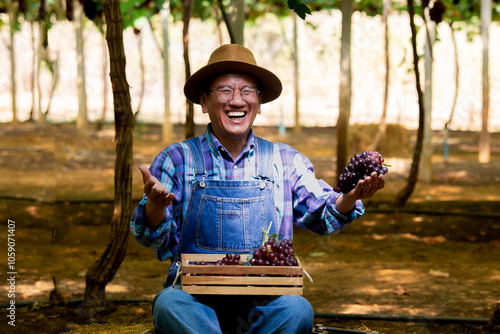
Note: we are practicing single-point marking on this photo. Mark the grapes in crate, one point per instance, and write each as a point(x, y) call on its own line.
point(360, 166)
point(227, 260)
point(274, 253)
point(271, 253)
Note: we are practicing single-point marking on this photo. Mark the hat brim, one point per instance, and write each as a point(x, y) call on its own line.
point(269, 83)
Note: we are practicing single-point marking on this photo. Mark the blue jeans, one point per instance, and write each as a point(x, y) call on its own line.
point(175, 312)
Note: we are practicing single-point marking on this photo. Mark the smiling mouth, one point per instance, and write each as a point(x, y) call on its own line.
point(236, 114)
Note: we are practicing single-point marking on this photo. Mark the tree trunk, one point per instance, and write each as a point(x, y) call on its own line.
point(227, 21)
point(237, 19)
point(155, 40)
point(455, 95)
point(167, 127)
point(426, 160)
point(104, 72)
point(186, 18)
point(81, 121)
point(104, 269)
point(383, 120)
point(52, 65)
point(33, 73)
point(297, 128)
point(344, 88)
point(138, 34)
point(12, 24)
point(54, 72)
point(484, 137)
point(405, 193)
point(42, 55)
point(218, 21)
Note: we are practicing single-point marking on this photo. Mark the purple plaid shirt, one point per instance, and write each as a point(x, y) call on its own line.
point(300, 198)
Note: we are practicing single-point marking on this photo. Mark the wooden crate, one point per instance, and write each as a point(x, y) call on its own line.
point(238, 279)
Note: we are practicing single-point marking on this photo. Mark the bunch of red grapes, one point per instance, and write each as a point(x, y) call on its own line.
point(271, 253)
point(360, 166)
point(274, 253)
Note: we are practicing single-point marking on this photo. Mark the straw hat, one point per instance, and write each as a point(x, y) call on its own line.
point(233, 58)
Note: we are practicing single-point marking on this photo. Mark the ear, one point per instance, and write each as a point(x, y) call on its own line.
point(203, 102)
point(260, 103)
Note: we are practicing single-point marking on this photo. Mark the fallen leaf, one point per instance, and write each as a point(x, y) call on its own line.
point(437, 273)
point(410, 236)
point(376, 236)
point(434, 240)
point(401, 290)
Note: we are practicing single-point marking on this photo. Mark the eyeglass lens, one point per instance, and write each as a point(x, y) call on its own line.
point(227, 95)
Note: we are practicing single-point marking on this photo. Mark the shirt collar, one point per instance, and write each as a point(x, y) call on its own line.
point(216, 147)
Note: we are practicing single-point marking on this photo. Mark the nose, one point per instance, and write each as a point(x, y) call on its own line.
point(237, 98)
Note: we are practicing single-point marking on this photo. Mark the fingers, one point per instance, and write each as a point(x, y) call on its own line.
point(146, 175)
point(369, 186)
point(154, 189)
point(381, 181)
point(160, 195)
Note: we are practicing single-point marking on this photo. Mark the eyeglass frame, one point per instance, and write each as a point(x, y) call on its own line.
point(234, 91)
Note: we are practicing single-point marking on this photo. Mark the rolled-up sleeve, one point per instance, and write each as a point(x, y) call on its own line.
point(163, 169)
point(314, 201)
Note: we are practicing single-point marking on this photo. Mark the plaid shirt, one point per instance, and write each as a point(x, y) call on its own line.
point(300, 198)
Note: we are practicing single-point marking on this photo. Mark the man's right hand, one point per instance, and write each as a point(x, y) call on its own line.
point(158, 197)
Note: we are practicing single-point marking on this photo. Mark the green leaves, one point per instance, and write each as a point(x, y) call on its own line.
point(300, 7)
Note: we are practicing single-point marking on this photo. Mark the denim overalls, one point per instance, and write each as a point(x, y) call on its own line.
point(227, 216)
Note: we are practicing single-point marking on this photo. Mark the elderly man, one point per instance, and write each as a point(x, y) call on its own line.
point(215, 193)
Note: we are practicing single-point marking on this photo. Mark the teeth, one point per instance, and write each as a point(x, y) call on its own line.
point(236, 114)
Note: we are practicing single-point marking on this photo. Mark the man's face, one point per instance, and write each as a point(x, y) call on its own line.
point(231, 120)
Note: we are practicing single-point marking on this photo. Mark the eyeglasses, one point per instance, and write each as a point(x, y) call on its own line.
point(226, 95)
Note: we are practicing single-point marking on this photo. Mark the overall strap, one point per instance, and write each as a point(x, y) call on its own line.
point(265, 150)
point(198, 158)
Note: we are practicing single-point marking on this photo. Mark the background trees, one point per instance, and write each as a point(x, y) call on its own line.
point(136, 13)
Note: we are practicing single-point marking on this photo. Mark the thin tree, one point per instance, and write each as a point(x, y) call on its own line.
point(383, 120)
point(82, 120)
point(104, 72)
point(43, 45)
point(33, 72)
point(12, 26)
point(142, 66)
point(167, 127)
point(484, 136)
point(186, 18)
point(105, 268)
point(344, 88)
point(228, 22)
point(237, 19)
point(455, 95)
point(297, 128)
point(405, 193)
point(426, 159)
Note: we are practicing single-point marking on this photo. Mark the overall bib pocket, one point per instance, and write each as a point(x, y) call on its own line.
point(230, 224)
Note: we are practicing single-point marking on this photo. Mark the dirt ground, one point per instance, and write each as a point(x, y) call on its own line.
point(436, 259)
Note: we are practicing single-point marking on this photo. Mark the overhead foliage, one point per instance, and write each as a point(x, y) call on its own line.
point(467, 11)
point(300, 7)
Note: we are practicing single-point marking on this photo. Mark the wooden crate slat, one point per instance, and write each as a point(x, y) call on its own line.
point(237, 290)
point(230, 280)
point(244, 269)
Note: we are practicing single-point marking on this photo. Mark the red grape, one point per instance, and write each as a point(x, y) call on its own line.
point(360, 166)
